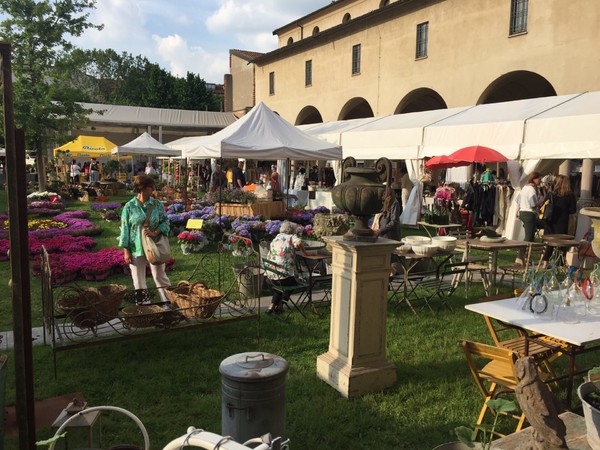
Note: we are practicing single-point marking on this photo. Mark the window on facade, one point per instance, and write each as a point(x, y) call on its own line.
point(346, 18)
point(308, 73)
point(315, 31)
point(290, 41)
point(422, 38)
point(518, 16)
point(272, 83)
point(355, 59)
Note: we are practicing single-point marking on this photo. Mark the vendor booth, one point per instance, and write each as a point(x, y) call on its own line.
point(86, 147)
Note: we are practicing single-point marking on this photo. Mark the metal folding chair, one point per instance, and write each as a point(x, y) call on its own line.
point(299, 288)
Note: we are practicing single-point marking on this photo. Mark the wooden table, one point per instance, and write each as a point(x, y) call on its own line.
point(583, 336)
point(492, 247)
point(436, 228)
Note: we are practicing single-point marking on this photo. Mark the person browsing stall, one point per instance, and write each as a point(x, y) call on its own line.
point(94, 171)
point(282, 252)
point(389, 220)
point(564, 204)
point(239, 179)
point(132, 221)
point(528, 206)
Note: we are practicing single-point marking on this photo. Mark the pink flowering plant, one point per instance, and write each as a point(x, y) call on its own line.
point(191, 237)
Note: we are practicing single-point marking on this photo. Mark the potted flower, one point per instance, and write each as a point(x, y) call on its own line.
point(241, 244)
point(191, 241)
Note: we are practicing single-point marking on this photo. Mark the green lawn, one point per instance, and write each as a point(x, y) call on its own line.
point(171, 381)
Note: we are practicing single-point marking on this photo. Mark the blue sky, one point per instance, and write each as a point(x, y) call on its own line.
point(192, 35)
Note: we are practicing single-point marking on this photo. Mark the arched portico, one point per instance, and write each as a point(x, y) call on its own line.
point(356, 108)
point(518, 85)
point(308, 114)
point(422, 99)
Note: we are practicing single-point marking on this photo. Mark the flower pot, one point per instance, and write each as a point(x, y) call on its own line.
point(250, 280)
point(89, 276)
point(197, 247)
point(591, 414)
point(187, 249)
point(245, 251)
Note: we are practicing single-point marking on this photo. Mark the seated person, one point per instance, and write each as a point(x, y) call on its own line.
point(282, 251)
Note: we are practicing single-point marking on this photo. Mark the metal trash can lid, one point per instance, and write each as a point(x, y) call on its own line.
point(253, 366)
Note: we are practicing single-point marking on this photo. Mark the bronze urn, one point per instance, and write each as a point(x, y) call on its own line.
point(362, 196)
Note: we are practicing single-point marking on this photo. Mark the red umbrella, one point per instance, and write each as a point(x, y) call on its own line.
point(443, 162)
point(478, 154)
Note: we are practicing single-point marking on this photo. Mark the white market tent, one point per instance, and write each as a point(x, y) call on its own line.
point(500, 126)
point(333, 131)
point(397, 136)
point(145, 145)
point(260, 134)
point(571, 130)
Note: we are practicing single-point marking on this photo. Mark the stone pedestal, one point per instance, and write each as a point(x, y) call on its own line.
point(356, 361)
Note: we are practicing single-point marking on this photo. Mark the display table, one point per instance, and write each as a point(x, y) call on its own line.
point(269, 209)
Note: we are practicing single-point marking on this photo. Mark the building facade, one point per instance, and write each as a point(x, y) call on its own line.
point(364, 58)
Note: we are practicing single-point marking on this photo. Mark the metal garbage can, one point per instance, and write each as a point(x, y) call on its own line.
point(253, 395)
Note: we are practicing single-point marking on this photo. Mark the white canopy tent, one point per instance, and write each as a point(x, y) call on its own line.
point(145, 145)
point(500, 126)
point(260, 134)
point(571, 130)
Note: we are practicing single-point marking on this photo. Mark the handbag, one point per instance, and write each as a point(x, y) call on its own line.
point(547, 209)
point(376, 220)
point(156, 248)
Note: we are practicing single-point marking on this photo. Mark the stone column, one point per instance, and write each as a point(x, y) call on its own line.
point(356, 362)
point(585, 198)
point(565, 168)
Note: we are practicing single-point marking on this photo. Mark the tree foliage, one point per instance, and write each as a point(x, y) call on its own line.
point(122, 79)
point(44, 100)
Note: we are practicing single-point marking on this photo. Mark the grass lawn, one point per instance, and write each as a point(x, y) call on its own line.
point(171, 381)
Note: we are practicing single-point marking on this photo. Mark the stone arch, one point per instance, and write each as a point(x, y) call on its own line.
point(356, 108)
point(315, 31)
point(308, 114)
point(517, 85)
point(347, 18)
point(290, 40)
point(421, 99)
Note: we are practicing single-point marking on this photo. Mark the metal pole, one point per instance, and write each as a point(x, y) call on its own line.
point(19, 259)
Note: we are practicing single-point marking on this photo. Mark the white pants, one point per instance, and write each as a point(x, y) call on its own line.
point(138, 273)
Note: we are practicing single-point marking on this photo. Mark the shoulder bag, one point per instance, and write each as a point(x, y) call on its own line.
point(547, 208)
point(156, 248)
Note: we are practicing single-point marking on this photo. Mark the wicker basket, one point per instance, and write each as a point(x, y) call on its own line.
point(94, 306)
point(143, 316)
point(195, 300)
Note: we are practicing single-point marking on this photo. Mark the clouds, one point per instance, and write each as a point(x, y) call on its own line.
point(192, 35)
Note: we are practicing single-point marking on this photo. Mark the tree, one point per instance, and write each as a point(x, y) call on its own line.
point(44, 97)
point(123, 79)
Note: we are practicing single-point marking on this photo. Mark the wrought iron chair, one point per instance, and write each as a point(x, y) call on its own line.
point(441, 287)
point(299, 288)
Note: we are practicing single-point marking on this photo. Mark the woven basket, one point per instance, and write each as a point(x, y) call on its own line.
point(94, 306)
point(143, 316)
point(195, 300)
